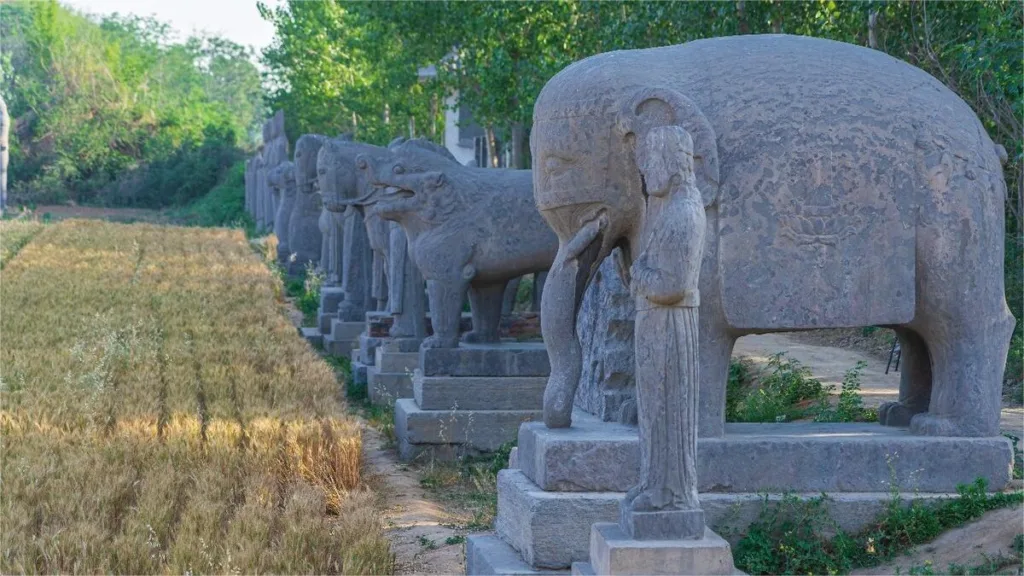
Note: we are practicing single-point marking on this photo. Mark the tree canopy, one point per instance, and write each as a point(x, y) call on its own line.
point(113, 110)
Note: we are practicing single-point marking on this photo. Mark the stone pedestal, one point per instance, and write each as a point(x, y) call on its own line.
point(390, 378)
point(313, 335)
point(343, 338)
point(470, 399)
point(569, 479)
point(613, 552)
point(330, 297)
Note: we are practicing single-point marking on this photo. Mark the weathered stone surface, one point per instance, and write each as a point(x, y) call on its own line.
point(330, 297)
point(605, 328)
point(551, 529)
point(282, 179)
point(384, 388)
point(830, 203)
point(389, 361)
point(478, 392)
point(313, 336)
point(469, 229)
point(487, 555)
point(502, 359)
point(368, 348)
point(359, 374)
point(344, 337)
point(304, 238)
point(597, 456)
point(274, 153)
point(475, 430)
point(613, 552)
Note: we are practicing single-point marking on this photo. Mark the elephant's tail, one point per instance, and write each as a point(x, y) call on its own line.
point(1001, 152)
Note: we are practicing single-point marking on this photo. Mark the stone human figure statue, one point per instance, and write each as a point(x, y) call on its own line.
point(405, 293)
point(663, 279)
point(378, 231)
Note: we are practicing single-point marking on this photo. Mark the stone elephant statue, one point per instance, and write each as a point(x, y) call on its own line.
point(468, 228)
point(842, 187)
point(304, 238)
point(281, 180)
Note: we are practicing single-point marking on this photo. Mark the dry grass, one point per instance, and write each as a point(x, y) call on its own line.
point(159, 414)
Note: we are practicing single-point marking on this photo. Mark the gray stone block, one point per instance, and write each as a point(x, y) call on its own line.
point(802, 457)
point(478, 393)
point(513, 458)
point(476, 430)
point(324, 320)
point(359, 375)
point(551, 529)
point(489, 555)
point(384, 388)
point(389, 361)
point(401, 345)
point(313, 336)
point(368, 349)
point(344, 338)
point(583, 569)
point(347, 330)
point(613, 552)
point(501, 359)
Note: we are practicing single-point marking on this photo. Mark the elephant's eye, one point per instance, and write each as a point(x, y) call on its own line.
point(556, 164)
point(398, 169)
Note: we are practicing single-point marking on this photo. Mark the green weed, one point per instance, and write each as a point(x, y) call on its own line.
point(786, 392)
point(788, 537)
point(850, 407)
point(453, 540)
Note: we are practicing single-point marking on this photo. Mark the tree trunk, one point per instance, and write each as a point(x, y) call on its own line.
point(872, 33)
point(433, 118)
point(492, 148)
point(741, 15)
point(355, 127)
point(5, 128)
point(412, 126)
point(519, 151)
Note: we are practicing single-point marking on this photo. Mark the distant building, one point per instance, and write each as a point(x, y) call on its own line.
point(463, 137)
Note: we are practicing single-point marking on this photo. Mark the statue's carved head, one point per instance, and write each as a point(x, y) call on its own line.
point(281, 180)
point(411, 180)
point(306, 150)
point(590, 155)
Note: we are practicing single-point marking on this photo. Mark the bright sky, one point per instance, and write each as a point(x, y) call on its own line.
point(236, 20)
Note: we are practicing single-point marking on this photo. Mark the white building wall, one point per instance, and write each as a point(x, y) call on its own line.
point(451, 132)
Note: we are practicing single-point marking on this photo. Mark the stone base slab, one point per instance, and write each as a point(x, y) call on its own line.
point(313, 336)
point(389, 361)
point(488, 555)
point(552, 529)
point(517, 325)
point(594, 456)
point(401, 345)
point(613, 552)
point(324, 320)
point(384, 388)
point(499, 359)
point(478, 393)
point(344, 337)
point(330, 297)
point(368, 349)
point(469, 431)
point(359, 375)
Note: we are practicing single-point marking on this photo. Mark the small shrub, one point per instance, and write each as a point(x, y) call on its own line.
point(786, 392)
point(850, 407)
point(736, 388)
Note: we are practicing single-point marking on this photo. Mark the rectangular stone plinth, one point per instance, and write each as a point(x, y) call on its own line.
point(384, 388)
point(472, 431)
point(552, 529)
point(359, 375)
point(344, 337)
point(389, 361)
point(500, 359)
point(312, 335)
point(478, 392)
point(368, 349)
point(487, 554)
point(330, 298)
point(324, 320)
point(615, 553)
point(517, 325)
point(596, 456)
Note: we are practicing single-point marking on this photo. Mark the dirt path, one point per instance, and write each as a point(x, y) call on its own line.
point(828, 364)
point(64, 211)
point(418, 528)
point(973, 544)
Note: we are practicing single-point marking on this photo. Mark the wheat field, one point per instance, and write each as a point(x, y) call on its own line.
point(159, 414)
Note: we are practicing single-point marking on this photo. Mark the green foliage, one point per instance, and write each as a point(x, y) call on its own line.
point(736, 388)
point(788, 537)
point(224, 205)
point(112, 111)
point(850, 407)
point(308, 302)
point(786, 392)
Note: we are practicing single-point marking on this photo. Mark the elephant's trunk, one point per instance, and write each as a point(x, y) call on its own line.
point(563, 293)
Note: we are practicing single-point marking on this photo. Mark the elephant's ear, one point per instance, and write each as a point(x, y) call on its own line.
point(659, 106)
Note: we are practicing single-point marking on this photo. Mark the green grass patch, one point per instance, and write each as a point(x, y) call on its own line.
point(787, 537)
point(222, 206)
point(15, 235)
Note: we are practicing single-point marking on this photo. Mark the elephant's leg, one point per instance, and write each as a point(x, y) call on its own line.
point(508, 303)
point(445, 312)
point(915, 381)
point(486, 303)
point(715, 355)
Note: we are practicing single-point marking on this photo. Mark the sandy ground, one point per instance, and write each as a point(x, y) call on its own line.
point(828, 364)
point(973, 544)
point(417, 527)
